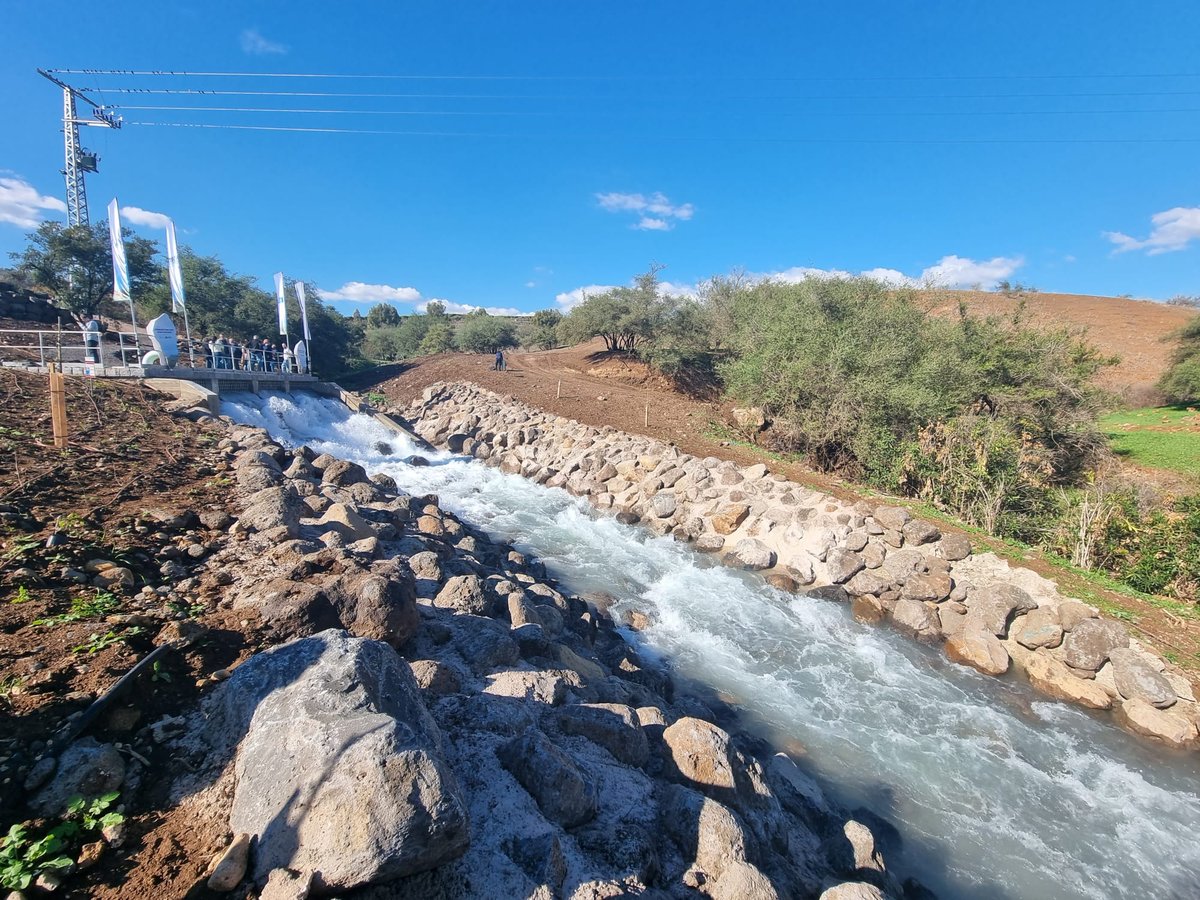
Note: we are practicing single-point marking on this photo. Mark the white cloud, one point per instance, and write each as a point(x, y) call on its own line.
point(255, 44)
point(357, 291)
point(570, 299)
point(949, 272)
point(22, 205)
point(1173, 230)
point(134, 216)
point(464, 308)
point(958, 271)
point(655, 212)
point(531, 284)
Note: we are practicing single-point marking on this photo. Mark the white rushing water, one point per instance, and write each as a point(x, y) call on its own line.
point(995, 794)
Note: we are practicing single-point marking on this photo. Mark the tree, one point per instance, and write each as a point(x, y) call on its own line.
point(1181, 383)
point(435, 308)
point(438, 338)
point(383, 315)
point(75, 265)
point(624, 317)
point(544, 332)
point(479, 332)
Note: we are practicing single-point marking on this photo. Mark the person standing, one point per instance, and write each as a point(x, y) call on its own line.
point(499, 365)
point(91, 340)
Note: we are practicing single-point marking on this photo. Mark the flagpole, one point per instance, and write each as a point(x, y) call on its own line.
point(121, 273)
point(175, 277)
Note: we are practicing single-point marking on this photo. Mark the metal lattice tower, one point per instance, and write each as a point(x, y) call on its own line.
point(77, 210)
point(78, 161)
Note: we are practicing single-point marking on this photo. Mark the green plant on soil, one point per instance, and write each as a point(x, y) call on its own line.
point(375, 399)
point(23, 857)
point(97, 642)
point(22, 595)
point(82, 607)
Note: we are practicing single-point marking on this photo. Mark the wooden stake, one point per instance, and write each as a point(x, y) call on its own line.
point(558, 395)
point(647, 415)
point(58, 407)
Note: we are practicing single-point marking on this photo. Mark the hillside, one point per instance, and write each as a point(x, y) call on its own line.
point(1137, 331)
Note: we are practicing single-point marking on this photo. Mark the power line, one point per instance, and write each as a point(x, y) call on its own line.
point(356, 112)
point(877, 112)
point(494, 77)
point(703, 138)
point(428, 96)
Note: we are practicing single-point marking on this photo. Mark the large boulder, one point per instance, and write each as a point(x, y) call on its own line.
point(342, 472)
point(346, 522)
point(702, 754)
point(563, 792)
point(256, 471)
point(87, 768)
point(613, 726)
point(1040, 628)
point(842, 565)
point(1142, 718)
point(464, 594)
point(893, 518)
point(727, 519)
point(1056, 680)
point(271, 508)
point(706, 831)
point(979, 648)
point(995, 605)
point(339, 772)
point(664, 505)
point(1137, 680)
point(752, 554)
point(1090, 643)
point(376, 606)
point(916, 619)
point(919, 532)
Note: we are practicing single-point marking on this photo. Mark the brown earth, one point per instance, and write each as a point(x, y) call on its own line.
point(98, 500)
point(585, 383)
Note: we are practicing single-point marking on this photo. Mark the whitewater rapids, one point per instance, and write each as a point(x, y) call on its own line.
point(995, 794)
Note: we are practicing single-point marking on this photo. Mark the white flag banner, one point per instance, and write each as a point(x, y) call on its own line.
point(303, 309)
point(282, 301)
point(174, 273)
point(120, 269)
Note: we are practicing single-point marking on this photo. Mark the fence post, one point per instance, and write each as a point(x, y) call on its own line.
point(41, 347)
point(58, 407)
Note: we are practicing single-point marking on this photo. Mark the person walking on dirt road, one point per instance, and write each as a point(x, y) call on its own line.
point(499, 365)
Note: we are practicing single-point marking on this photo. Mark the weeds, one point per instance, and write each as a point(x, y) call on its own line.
point(23, 857)
point(103, 604)
point(22, 595)
point(97, 642)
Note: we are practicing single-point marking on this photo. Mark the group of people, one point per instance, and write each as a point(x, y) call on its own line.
point(256, 355)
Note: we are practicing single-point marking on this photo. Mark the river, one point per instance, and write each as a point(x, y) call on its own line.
point(995, 793)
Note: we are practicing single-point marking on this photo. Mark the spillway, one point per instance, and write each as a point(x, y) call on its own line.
point(995, 793)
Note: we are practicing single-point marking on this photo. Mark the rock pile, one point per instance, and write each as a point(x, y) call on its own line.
point(929, 585)
point(439, 718)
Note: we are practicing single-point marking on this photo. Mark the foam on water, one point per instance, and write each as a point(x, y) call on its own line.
point(995, 793)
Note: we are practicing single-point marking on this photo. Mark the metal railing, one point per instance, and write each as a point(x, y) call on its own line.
point(110, 349)
point(71, 345)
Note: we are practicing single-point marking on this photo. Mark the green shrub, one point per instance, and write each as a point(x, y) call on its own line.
point(983, 417)
point(1181, 383)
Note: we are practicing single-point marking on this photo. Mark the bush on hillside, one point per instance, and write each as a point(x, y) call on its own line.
point(981, 416)
point(480, 333)
point(1181, 383)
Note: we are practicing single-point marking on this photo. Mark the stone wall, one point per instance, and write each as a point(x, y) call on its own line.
point(21, 304)
point(888, 565)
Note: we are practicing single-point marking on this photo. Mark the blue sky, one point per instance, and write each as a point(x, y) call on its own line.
point(549, 147)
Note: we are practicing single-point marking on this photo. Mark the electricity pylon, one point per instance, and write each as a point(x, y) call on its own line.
point(78, 160)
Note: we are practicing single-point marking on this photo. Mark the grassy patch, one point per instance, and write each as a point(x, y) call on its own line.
point(1160, 438)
